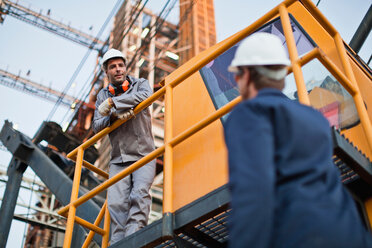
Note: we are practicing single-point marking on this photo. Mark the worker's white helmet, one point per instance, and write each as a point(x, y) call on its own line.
point(110, 54)
point(258, 50)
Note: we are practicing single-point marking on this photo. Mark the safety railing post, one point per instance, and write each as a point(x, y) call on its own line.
point(358, 100)
point(340, 47)
point(293, 55)
point(96, 223)
point(171, 140)
point(368, 206)
point(74, 196)
point(168, 164)
point(106, 227)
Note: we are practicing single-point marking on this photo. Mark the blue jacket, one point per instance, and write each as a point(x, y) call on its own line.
point(286, 191)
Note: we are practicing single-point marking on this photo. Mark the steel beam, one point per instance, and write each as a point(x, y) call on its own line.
point(53, 177)
point(362, 32)
point(34, 222)
point(15, 173)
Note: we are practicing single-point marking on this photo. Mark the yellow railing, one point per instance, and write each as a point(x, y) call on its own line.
point(345, 76)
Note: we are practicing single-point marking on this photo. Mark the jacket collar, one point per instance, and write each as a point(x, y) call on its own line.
point(270, 92)
point(132, 81)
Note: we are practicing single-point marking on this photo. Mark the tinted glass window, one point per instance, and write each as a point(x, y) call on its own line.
point(221, 84)
point(325, 93)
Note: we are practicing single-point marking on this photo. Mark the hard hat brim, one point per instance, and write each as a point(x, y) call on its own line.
point(105, 63)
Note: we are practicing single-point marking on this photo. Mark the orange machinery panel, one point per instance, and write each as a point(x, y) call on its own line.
point(200, 162)
point(327, 45)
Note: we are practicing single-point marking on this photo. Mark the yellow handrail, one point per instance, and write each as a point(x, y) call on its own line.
point(347, 79)
point(293, 55)
point(96, 223)
point(168, 157)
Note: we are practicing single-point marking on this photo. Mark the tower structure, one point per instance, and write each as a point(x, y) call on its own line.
point(197, 28)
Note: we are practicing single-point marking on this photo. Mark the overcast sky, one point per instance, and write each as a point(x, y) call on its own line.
point(52, 60)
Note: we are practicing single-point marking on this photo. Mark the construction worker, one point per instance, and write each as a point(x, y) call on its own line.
point(285, 189)
point(128, 200)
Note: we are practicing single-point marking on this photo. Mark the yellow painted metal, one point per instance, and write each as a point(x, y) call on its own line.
point(74, 196)
point(138, 164)
point(368, 207)
point(200, 161)
point(336, 72)
point(293, 55)
point(91, 167)
point(118, 123)
point(323, 21)
point(352, 88)
point(305, 59)
point(308, 56)
point(89, 225)
point(175, 134)
point(96, 223)
point(205, 122)
point(315, 25)
point(364, 119)
point(168, 156)
point(348, 81)
point(208, 55)
point(106, 227)
point(179, 138)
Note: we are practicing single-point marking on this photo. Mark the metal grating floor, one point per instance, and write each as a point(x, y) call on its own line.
point(348, 175)
point(215, 227)
point(172, 243)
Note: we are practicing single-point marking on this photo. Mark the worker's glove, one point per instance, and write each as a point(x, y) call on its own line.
point(105, 107)
point(126, 115)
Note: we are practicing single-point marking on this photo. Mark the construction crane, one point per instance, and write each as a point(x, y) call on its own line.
point(26, 85)
point(196, 198)
point(195, 194)
point(45, 22)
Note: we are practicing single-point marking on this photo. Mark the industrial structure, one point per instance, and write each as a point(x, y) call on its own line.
point(190, 199)
point(152, 47)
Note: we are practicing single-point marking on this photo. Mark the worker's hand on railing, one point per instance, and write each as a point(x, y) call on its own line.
point(126, 115)
point(105, 107)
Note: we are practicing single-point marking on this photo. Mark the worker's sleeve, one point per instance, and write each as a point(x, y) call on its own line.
point(250, 143)
point(100, 122)
point(132, 98)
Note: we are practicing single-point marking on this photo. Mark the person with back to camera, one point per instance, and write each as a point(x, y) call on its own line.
point(285, 189)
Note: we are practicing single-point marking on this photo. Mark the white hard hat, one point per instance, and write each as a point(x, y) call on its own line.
point(110, 54)
point(258, 50)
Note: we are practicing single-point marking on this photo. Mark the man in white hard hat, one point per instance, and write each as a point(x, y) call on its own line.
point(285, 189)
point(128, 200)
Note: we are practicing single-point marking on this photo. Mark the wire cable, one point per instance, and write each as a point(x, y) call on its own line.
point(157, 24)
point(126, 27)
point(180, 24)
point(82, 62)
point(130, 26)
